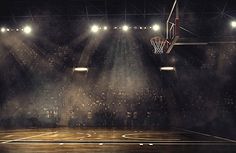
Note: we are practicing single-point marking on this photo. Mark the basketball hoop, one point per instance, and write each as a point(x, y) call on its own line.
point(159, 44)
point(164, 45)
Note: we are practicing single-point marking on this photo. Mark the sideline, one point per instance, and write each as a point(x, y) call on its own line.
point(48, 133)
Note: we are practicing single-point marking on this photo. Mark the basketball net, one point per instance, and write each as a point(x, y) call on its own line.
point(158, 44)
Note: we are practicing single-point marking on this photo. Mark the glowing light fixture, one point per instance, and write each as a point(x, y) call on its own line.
point(3, 29)
point(80, 69)
point(94, 28)
point(27, 29)
point(167, 69)
point(156, 27)
point(105, 28)
point(233, 24)
point(125, 28)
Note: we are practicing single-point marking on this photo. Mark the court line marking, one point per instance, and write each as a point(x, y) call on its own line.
point(54, 134)
point(112, 141)
point(204, 134)
point(8, 136)
point(133, 143)
point(129, 136)
point(19, 139)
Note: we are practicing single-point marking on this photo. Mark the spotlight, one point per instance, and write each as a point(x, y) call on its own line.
point(105, 28)
point(8, 29)
point(3, 30)
point(167, 68)
point(156, 27)
point(27, 29)
point(80, 69)
point(94, 29)
point(125, 28)
point(233, 24)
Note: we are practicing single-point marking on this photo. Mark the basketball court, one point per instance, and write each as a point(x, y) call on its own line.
point(90, 140)
point(103, 140)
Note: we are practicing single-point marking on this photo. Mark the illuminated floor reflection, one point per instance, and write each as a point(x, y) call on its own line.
point(105, 141)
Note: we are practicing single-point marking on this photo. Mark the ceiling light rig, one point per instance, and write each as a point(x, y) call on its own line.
point(167, 68)
point(3, 30)
point(26, 30)
point(105, 28)
point(80, 69)
point(156, 27)
point(125, 28)
point(96, 28)
point(233, 24)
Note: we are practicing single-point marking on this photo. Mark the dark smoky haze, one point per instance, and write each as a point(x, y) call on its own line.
point(124, 86)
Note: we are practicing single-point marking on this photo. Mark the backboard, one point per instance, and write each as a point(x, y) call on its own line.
point(165, 45)
point(172, 27)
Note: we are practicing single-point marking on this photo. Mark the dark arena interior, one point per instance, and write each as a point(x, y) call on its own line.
point(117, 76)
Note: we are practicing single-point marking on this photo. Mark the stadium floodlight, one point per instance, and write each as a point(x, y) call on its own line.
point(156, 27)
point(94, 28)
point(125, 28)
point(3, 30)
point(105, 28)
point(167, 68)
point(233, 24)
point(80, 69)
point(27, 29)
